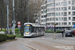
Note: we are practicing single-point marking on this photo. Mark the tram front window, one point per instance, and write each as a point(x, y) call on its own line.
point(27, 29)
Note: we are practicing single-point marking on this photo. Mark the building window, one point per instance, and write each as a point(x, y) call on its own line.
point(65, 14)
point(65, 23)
point(73, 23)
point(41, 16)
point(59, 14)
point(73, 18)
point(41, 20)
point(69, 8)
point(64, 3)
point(48, 23)
point(48, 19)
point(48, 10)
point(59, 23)
point(73, 7)
point(65, 18)
point(48, 0)
point(49, 14)
point(52, 23)
point(59, 19)
point(69, 18)
point(64, 8)
point(48, 5)
point(69, 23)
point(73, 2)
point(56, 14)
point(56, 19)
point(59, 8)
point(52, 9)
point(56, 9)
point(69, 13)
point(62, 23)
point(73, 13)
point(57, 4)
point(52, 14)
point(69, 2)
point(52, 19)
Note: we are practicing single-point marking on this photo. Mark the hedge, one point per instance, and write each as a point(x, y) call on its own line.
point(10, 36)
point(16, 30)
point(49, 31)
point(58, 31)
point(3, 37)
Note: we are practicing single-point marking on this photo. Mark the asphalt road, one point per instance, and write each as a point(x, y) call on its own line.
point(46, 42)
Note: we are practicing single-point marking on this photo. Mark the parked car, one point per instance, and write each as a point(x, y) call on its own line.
point(69, 32)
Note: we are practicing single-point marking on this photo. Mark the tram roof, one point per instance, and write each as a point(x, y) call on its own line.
point(34, 24)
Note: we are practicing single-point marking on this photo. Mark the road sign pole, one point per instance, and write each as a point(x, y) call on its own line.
point(19, 32)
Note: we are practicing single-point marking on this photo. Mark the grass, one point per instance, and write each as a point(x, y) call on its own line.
point(19, 36)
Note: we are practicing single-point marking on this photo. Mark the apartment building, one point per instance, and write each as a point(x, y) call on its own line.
point(60, 12)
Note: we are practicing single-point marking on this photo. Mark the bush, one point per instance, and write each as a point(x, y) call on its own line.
point(49, 31)
point(10, 37)
point(58, 31)
point(16, 30)
point(4, 30)
point(3, 37)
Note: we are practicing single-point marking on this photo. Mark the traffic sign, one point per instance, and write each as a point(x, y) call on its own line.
point(18, 22)
point(19, 26)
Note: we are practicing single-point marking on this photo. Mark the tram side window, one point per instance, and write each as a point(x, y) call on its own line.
point(34, 30)
point(39, 29)
point(42, 29)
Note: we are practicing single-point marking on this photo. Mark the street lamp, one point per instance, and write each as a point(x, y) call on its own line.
point(7, 14)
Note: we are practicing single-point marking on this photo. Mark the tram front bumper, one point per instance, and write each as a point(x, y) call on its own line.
point(29, 35)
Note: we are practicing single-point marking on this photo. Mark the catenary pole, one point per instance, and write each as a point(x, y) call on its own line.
point(7, 18)
point(28, 10)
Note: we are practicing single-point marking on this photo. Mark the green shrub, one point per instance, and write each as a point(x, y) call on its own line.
point(3, 37)
point(16, 30)
point(58, 31)
point(49, 31)
point(4, 30)
point(10, 37)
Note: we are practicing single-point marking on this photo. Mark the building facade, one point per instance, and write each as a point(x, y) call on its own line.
point(60, 12)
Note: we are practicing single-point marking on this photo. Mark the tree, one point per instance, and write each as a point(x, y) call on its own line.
point(20, 11)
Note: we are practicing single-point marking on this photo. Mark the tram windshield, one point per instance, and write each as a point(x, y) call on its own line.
point(27, 28)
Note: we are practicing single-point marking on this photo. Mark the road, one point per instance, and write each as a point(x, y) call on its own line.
point(41, 43)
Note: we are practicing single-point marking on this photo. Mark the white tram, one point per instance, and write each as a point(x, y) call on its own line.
point(33, 30)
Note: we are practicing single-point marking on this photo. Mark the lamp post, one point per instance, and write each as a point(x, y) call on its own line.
point(7, 15)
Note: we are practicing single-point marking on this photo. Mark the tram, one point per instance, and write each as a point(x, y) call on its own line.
point(33, 30)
